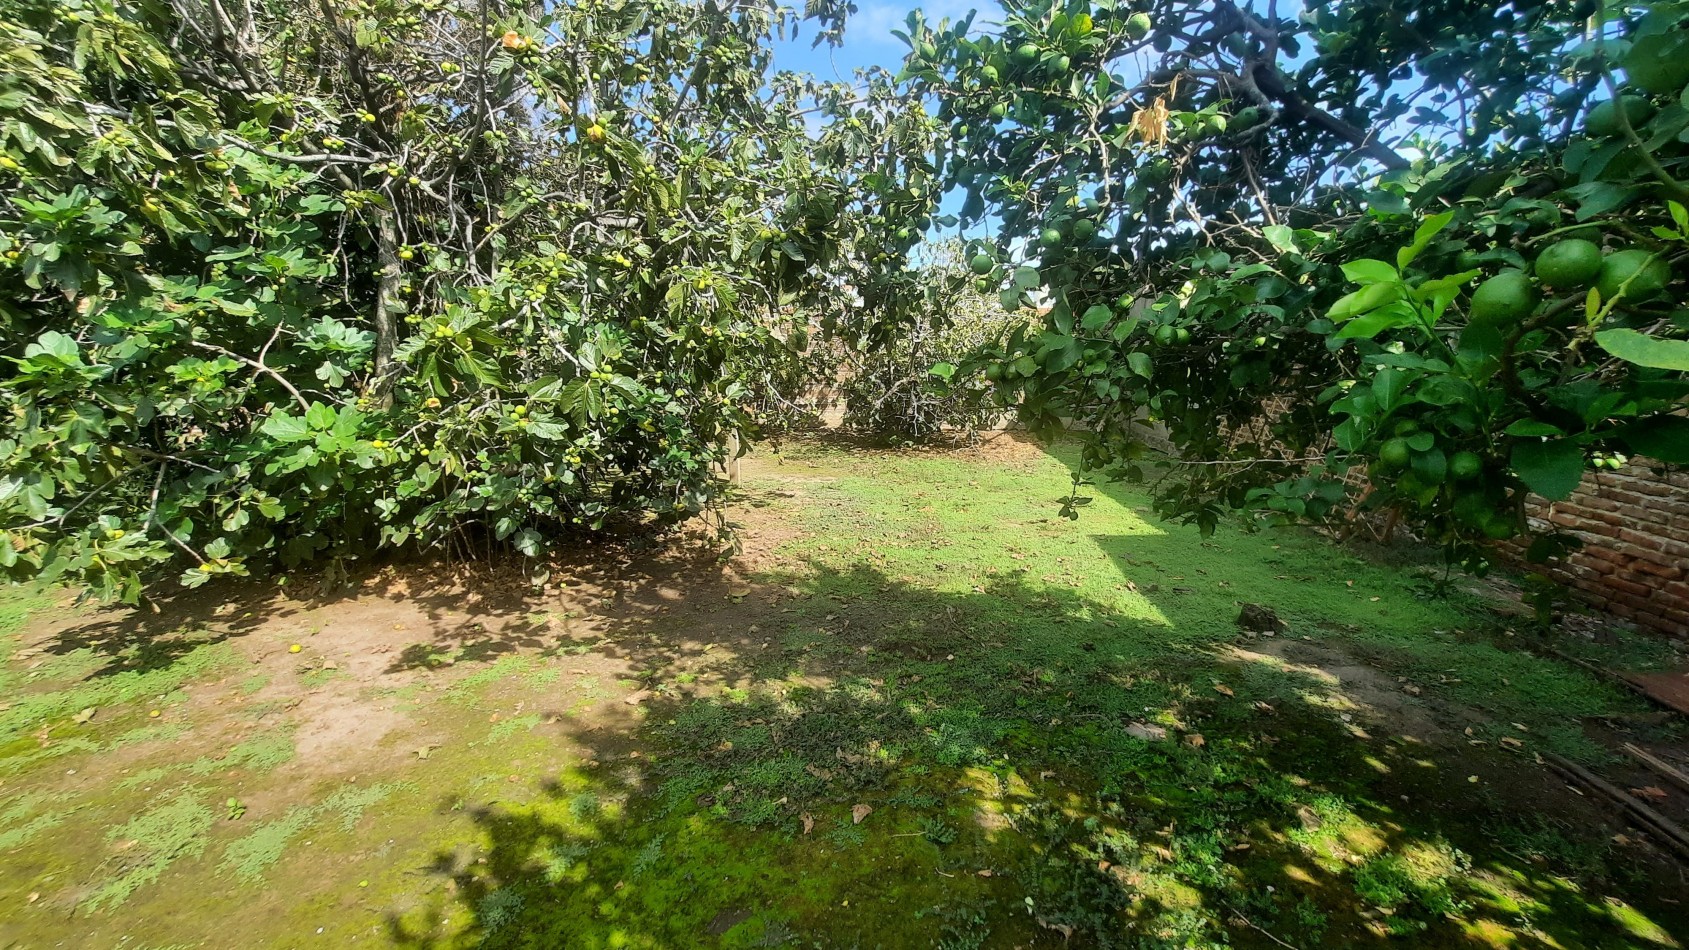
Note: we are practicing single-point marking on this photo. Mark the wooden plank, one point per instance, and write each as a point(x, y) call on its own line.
point(1665, 769)
point(1640, 815)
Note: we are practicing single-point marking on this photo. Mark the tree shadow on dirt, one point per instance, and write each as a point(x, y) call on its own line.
point(852, 761)
point(477, 611)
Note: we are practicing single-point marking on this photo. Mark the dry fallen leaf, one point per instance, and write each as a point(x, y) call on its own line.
point(1223, 689)
point(85, 715)
point(1066, 930)
point(426, 751)
point(983, 872)
point(808, 824)
point(1146, 731)
point(1650, 791)
point(859, 812)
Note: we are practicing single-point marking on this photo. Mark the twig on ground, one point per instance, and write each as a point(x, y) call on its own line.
point(1257, 927)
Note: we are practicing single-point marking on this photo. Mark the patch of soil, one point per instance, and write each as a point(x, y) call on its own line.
point(1520, 781)
point(341, 732)
point(1379, 699)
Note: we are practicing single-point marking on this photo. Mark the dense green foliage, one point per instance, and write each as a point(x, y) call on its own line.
point(287, 282)
point(909, 386)
point(1263, 234)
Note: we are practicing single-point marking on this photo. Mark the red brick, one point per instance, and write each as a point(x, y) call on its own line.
point(1677, 507)
point(1600, 553)
point(1629, 586)
point(1653, 542)
point(1663, 623)
point(1584, 572)
point(1650, 487)
point(1668, 572)
point(1635, 603)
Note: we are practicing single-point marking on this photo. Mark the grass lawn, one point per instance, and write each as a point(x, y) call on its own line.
point(919, 709)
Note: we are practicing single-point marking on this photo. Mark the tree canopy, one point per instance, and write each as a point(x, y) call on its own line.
point(1416, 241)
point(284, 283)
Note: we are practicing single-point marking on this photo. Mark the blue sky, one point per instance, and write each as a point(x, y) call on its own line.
point(868, 39)
point(868, 42)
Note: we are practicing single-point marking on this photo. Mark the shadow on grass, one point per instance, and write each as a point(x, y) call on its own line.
point(853, 761)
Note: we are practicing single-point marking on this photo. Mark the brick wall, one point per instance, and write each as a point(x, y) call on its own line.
point(1634, 525)
point(1634, 563)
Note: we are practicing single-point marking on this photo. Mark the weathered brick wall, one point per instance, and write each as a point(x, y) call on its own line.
point(1634, 526)
point(1634, 563)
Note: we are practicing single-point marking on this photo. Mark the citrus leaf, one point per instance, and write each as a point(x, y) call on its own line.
point(1645, 350)
point(1665, 438)
point(1551, 469)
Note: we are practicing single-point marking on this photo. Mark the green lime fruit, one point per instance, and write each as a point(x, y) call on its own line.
point(1000, 110)
point(1049, 237)
point(1059, 65)
point(994, 372)
point(1658, 62)
point(1603, 120)
point(1505, 298)
point(1084, 229)
point(981, 264)
point(1638, 273)
point(1026, 54)
point(1138, 26)
point(1470, 508)
point(1466, 466)
point(989, 75)
point(1569, 265)
point(1499, 527)
point(1166, 335)
point(1396, 454)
